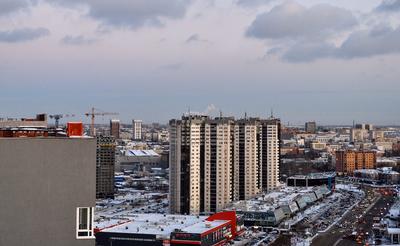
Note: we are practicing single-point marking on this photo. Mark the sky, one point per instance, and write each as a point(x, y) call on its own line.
point(323, 60)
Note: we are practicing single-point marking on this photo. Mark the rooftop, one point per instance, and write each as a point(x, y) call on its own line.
point(155, 224)
point(204, 226)
point(141, 153)
point(315, 175)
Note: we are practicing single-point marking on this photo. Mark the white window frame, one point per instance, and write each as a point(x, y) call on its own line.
point(90, 223)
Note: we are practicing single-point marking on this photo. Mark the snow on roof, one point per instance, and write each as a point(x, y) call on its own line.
point(272, 200)
point(141, 153)
point(393, 230)
point(155, 224)
point(204, 226)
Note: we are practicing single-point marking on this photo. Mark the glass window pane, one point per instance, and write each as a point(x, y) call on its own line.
point(83, 218)
point(83, 234)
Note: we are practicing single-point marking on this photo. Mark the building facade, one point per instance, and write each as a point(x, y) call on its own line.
point(115, 128)
point(270, 152)
point(48, 188)
point(349, 160)
point(311, 127)
point(218, 154)
point(216, 161)
point(136, 129)
point(246, 160)
point(105, 165)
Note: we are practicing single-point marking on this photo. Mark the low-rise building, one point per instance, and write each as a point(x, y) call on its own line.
point(162, 229)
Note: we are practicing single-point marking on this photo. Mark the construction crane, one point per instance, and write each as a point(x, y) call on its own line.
point(96, 112)
point(57, 118)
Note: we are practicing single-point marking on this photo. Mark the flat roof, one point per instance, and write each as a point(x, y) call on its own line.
point(314, 176)
point(204, 226)
point(154, 224)
point(141, 153)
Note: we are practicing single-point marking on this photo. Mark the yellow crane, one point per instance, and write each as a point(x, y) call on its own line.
point(96, 112)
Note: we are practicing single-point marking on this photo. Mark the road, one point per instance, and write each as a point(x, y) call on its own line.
point(358, 219)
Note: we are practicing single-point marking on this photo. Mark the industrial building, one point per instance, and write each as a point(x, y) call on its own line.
point(135, 160)
point(105, 163)
point(48, 187)
point(162, 229)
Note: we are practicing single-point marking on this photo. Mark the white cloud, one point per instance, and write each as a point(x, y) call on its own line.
point(292, 20)
point(23, 34)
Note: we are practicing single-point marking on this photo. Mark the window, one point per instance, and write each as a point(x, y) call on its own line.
point(84, 223)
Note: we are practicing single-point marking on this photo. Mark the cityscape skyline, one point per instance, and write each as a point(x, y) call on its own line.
point(152, 61)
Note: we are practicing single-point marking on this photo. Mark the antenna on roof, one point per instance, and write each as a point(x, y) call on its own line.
point(272, 113)
point(245, 115)
point(220, 113)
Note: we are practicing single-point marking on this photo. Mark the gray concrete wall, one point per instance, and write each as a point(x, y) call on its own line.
point(42, 182)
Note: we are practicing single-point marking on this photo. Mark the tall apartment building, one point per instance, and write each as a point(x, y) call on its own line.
point(115, 128)
point(348, 160)
point(311, 127)
point(137, 129)
point(270, 151)
point(216, 161)
point(186, 160)
point(105, 163)
point(246, 159)
point(48, 188)
point(218, 157)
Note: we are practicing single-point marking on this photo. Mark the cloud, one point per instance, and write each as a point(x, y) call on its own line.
point(389, 5)
point(252, 3)
point(195, 38)
point(131, 13)
point(309, 51)
point(380, 40)
point(9, 6)
point(24, 34)
point(77, 40)
point(292, 20)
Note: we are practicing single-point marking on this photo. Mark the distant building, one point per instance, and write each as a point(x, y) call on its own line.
point(368, 127)
point(105, 163)
point(216, 161)
point(311, 127)
point(39, 121)
point(142, 160)
point(362, 132)
point(137, 129)
point(313, 179)
point(115, 128)
point(349, 160)
point(359, 135)
point(377, 176)
point(48, 188)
